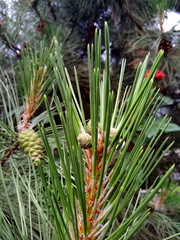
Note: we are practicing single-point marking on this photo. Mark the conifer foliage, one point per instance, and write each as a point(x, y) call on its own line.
point(100, 177)
point(85, 178)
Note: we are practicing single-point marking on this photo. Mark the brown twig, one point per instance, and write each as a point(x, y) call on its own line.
point(131, 16)
point(52, 10)
point(133, 19)
point(161, 200)
point(9, 43)
point(161, 19)
point(34, 7)
point(9, 152)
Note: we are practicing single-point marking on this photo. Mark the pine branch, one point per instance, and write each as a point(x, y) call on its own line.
point(9, 43)
point(35, 80)
point(32, 101)
point(52, 10)
point(9, 153)
point(34, 7)
point(134, 20)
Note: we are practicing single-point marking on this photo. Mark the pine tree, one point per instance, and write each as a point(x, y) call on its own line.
point(79, 180)
point(131, 23)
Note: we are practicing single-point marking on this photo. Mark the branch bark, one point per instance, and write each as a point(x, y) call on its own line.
point(9, 152)
point(52, 10)
point(9, 43)
point(133, 19)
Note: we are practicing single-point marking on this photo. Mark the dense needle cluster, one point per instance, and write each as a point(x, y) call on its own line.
point(94, 207)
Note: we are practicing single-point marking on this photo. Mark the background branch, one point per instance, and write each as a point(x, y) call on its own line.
point(9, 152)
point(52, 10)
point(9, 43)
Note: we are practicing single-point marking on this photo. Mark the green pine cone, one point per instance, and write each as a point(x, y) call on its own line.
point(31, 144)
point(89, 126)
point(112, 133)
point(85, 140)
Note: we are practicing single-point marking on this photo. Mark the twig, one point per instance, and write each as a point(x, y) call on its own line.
point(9, 43)
point(9, 152)
point(52, 10)
point(34, 7)
point(130, 15)
point(133, 19)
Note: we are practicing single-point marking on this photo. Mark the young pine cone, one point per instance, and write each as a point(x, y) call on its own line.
point(89, 127)
point(31, 144)
point(85, 140)
point(112, 133)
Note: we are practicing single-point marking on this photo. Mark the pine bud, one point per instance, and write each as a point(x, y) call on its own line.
point(112, 133)
point(85, 140)
point(89, 129)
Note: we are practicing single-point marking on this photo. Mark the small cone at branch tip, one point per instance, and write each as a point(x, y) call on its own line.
point(31, 144)
point(112, 133)
point(89, 126)
point(85, 140)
